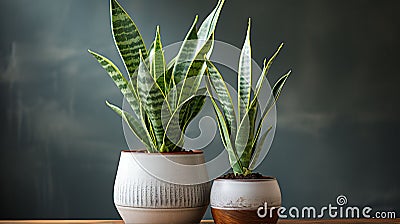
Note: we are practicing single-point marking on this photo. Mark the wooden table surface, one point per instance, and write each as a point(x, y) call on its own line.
point(297, 221)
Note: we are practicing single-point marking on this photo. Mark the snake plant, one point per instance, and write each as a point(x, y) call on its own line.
point(164, 97)
point(241, 133)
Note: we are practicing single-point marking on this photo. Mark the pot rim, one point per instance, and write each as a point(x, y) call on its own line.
point(265, 178)
point(145, 152)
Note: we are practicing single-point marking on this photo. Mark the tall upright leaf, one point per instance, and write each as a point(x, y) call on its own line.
point(244, 76)
point(157, 61)
point(197, 43)
point(209, 24)
point(234, 159)
point(194, 75)
point(155, 89)
point(172, 94)
point(186, 54)
point(127, 38)
point(276, 91)
point(224, 97)
point(168, 72)
point(263, 76)
point(248, 123)
point(152, 99)
point(243, 136)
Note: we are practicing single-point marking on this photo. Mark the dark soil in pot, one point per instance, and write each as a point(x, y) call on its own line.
point(232, 176)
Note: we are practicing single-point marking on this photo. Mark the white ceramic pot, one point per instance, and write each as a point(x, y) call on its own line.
point(237, 201)
point(161, 187)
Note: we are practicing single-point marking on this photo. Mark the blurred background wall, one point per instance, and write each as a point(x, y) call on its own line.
point(338, 117)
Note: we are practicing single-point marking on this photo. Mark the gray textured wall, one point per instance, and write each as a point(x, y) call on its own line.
point(338, 122)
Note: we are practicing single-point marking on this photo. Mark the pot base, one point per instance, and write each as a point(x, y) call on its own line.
point(160, 215)
point(240, 216)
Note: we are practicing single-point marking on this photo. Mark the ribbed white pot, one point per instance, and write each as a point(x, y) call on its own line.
point(161, 188)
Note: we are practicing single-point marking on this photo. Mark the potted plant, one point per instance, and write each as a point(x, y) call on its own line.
point(162, 183)
point(237, 197)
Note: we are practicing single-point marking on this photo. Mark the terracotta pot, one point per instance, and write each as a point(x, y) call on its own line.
point(243, 201)
point(161, 187)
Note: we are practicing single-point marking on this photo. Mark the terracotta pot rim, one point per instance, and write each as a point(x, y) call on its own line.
point(265, 178)
point(144, 152)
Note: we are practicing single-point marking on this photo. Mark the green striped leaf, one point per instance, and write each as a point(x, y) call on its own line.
point(244, 76)
point(185, 56)
point(145, 120)
point(172, 135)
point(151, 48)
point(135, 126)
point(195, 73)
point(157, 67)
point(152, 99)
point(243, 145)
point(263, 77)
point(221, 133)
point(246, 133)
point(191, 108)
point(171, 88)
point(243, 136)
point(257, 149)
point(276, 92)
point(127, 38)
point(252, 113)
point(186, 65)
point(234, 159)
point(187, 113)
point(208, 26)
point(168, 73)
point(180, 118)
point(123, 85)
point(224, 97)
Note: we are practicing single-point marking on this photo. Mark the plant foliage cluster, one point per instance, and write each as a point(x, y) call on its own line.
point(165, 97)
